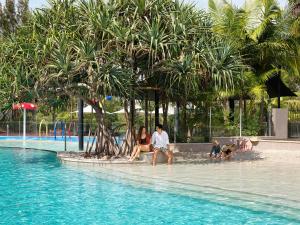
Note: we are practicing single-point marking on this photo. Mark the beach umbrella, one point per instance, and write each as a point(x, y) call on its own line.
point(276, 88)
point(25, 106)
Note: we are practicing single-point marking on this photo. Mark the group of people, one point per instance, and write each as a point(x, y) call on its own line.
point(221, 153)
point(227, 150)
point(158, 142)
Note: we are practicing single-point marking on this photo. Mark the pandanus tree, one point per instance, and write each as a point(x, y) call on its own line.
point(17, 70)
point(79, 64)
point(91, 49)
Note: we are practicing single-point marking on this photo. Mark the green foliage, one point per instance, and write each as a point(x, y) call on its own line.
point(90, 49)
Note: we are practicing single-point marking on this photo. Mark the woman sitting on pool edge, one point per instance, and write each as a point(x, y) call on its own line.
point(143, 143)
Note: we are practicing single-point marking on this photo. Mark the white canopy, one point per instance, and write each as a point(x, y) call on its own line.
point(138, 108)
point(171, 110)
point(87, 109)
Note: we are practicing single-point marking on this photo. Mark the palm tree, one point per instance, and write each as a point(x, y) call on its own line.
point(264, 45)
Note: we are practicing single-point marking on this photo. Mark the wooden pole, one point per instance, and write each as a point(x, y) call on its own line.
point(156, 108)
point(80, 124)
point(146, 111)
point(24, 124)
point(210, 131)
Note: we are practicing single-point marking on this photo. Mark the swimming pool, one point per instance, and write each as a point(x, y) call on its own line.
point(36, 188)
point(48, 138)
point(46, 143)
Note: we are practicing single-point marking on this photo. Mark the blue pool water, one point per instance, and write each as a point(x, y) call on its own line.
point(49, 138)
point(52, 138)
point(35, 188)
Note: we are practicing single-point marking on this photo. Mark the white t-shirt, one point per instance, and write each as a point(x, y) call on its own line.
point(160, 140)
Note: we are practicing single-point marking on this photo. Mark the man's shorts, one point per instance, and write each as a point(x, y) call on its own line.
point(162, 149)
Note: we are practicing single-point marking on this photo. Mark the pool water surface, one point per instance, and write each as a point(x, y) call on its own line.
point(36, 188)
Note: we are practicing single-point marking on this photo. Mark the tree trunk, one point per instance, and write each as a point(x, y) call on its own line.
point(206, 123)
point(156, 107)
point(106, 145)
point(53, 115)
point(176, 121)
point(184, 120)
point(225, 112)
point(129, 140)
point(146, 112)
point(165, 106)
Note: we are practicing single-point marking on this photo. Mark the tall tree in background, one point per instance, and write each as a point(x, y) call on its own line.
point(12, 16)
point(23, 11)
point(1, 18)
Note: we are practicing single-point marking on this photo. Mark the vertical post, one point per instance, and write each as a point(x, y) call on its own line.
point(156, 107)
point(210, 131)
point(24, 124)
point(132, 113)
point(176, 120)
point(7, 130)
point(245, 111)
point(80, 124)
point(231, 112)
point(146, 112)
point(132, 124)
point(65, 136)
point(241, 120)
point(278, 89)
point(269, 117)
point(150, 128)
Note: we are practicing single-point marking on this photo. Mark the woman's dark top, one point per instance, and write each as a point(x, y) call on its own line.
point(143, 141)
point(146, 140)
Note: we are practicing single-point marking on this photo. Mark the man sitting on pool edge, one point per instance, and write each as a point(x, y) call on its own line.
point(160, 143)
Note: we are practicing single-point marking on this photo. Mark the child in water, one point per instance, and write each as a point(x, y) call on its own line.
point(215, 150)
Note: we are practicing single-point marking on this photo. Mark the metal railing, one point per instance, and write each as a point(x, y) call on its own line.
point(294, 129)
point(59, 129)
point(43, 128)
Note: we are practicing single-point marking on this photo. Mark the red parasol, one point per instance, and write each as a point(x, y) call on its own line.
point(25, 106)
